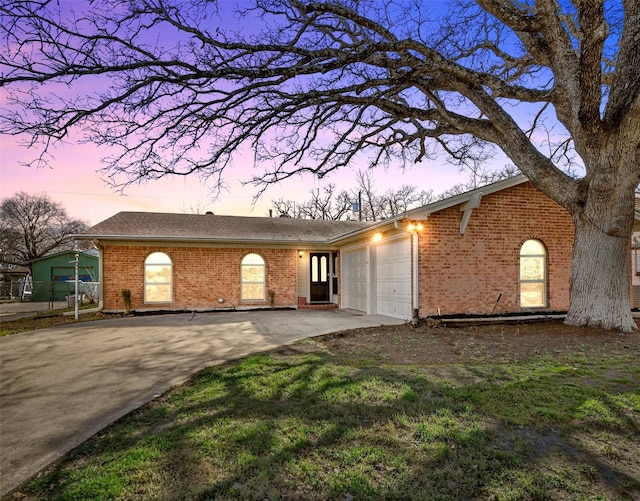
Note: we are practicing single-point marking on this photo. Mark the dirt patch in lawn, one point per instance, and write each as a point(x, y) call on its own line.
point(446, 351)
point(432, 344)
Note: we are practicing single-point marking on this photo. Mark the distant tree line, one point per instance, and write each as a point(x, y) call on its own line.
point(365, 202)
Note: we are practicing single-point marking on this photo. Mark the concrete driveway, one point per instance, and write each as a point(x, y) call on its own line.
point(60, 386)
point(14, 310)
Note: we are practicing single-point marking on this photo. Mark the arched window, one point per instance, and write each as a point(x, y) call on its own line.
point(533, 274)
point(252, 278)
point(158, 276)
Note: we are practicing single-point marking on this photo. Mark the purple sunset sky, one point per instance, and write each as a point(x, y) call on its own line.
point(74, 180)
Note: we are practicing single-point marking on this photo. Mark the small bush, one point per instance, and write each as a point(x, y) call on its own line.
point(126, 299)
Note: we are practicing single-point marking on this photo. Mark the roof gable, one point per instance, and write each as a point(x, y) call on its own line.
point(467, 196)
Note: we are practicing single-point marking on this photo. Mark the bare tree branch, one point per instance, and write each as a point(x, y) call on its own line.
point(328, 203)
point(32, 226)
point(172, 88)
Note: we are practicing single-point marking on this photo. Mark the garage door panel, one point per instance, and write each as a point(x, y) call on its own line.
point(391, 273)
point(393, 278)
point(354, 289)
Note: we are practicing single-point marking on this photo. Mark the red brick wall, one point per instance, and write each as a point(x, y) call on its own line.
point(201, 276)
point(467, 273)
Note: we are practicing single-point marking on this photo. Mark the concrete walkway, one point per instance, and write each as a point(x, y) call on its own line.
point(60, 386)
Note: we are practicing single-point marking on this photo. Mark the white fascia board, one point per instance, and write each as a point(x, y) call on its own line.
point(357, 234)
point(422, 213)
point(425, 210)
point(214, 241)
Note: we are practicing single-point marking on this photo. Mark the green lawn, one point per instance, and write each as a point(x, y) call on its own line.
point(304, 424)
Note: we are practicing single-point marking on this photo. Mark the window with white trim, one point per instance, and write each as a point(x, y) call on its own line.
point(533, 274)
point(252, 277)
point(158, 278)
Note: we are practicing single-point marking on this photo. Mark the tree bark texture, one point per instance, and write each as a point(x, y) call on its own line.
point(599, 288)
point(603, 213)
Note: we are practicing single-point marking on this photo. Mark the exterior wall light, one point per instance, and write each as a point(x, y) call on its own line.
point(377, 236)
point(300, 254)
point(415, 226)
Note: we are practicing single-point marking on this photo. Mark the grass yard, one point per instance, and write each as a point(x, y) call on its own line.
point(523, 412)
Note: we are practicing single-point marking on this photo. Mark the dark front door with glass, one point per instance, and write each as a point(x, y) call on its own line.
point(319, 277)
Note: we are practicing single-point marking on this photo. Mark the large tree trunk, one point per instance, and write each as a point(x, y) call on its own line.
point(599, 294)
point(600, 286)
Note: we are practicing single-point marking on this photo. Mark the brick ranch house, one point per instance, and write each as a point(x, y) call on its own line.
point(501, 248)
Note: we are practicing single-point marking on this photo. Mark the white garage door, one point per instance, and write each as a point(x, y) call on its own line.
point(354, 279)
point(393, 275)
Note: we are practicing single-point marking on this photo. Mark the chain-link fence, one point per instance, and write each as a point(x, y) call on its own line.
point(47, 290)
point(10, 289)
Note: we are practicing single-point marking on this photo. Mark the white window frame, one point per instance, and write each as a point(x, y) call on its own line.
point(244, 282)
point(542, 281)
point(154, 259)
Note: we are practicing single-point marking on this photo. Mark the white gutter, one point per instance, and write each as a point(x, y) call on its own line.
point(101, 275)
point(228, 241)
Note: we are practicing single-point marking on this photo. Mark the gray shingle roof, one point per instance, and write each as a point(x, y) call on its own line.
point(235, 229)
point(163, 226)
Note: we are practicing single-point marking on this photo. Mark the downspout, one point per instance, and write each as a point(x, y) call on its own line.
point(415, 296)
point(101, 276)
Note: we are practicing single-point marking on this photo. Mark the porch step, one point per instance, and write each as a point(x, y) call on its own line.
point(324, 306)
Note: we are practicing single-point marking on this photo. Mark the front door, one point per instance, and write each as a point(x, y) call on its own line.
point(319, 277)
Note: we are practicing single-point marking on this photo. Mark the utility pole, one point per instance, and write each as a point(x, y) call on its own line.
point(75, 262)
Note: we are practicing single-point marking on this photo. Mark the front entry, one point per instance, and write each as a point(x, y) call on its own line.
point(319, 277)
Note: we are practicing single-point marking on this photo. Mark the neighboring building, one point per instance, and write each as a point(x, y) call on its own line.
point(12, 279)
point(635, 257)
point(54, 275)
point(501, 248)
